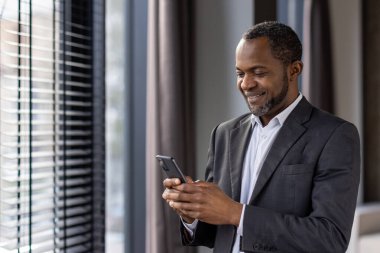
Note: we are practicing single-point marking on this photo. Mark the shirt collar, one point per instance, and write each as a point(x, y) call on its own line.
point(281, 117)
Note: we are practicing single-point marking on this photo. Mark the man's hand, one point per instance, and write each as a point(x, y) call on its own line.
point(204, 201)
point(169, 185)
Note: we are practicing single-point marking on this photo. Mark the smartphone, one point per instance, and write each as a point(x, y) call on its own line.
point(170, 167)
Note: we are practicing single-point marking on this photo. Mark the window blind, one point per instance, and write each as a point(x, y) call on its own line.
point(51, 126)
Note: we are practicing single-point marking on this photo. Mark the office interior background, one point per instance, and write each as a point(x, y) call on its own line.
point(92, 89)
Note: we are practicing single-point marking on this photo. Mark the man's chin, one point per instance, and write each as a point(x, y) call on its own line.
point(259, 111)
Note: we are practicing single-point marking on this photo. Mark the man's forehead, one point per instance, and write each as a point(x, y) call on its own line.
point(253, 47)
point(259, 40)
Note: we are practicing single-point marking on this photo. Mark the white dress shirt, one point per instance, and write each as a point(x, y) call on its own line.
point(260, 143)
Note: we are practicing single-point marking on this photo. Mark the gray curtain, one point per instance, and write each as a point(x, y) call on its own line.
point(317, 82)
point(170, 121)
point(371, 102)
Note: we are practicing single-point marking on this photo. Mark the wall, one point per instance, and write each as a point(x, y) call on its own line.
point(347, 56)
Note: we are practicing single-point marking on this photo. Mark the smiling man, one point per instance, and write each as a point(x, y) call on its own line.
point(282, 178)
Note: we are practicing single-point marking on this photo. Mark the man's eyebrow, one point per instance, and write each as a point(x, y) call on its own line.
point(252, 68)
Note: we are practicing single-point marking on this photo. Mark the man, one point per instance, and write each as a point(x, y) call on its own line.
point(283, 178)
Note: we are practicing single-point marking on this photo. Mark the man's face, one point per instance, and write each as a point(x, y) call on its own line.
point(262, 79)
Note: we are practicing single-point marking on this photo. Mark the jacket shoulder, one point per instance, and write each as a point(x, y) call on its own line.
point(235, 122)
point(310, 116)
point(326, 120)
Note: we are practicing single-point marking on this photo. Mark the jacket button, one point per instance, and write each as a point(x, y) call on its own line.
point(256, 246)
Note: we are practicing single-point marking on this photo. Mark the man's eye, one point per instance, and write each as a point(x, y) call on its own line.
point(260, 74)
point(240, 74)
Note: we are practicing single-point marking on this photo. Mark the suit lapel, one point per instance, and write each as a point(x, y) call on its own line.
point(239, 139)
point(289, 133)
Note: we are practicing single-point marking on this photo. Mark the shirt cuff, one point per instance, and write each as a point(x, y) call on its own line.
point(190, 227)
point(240, 227)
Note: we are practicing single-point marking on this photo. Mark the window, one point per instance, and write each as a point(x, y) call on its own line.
point(115, 155)
point(51, 126)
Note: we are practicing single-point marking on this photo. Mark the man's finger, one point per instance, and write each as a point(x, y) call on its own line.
point(185, 206)
point(165, 194)
point(197, 186)
point(178, 196)
point(171, 182)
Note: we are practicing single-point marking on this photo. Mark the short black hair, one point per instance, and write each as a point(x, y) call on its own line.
point(284, 42)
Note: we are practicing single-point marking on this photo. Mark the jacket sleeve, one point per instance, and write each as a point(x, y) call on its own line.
point(328, 226)
point(205, 233)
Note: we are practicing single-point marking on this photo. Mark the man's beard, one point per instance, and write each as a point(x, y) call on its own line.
point(262, 110)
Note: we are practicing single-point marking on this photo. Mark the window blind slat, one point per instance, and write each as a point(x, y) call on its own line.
point(48, 91)
point(48, 60)
point(50, 133)
point(48, 143)
point(45, 101)
point(50, 70)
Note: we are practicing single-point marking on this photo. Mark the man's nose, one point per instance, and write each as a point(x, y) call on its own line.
point(248, 83)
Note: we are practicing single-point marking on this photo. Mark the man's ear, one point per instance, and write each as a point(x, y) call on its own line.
point(295, 69)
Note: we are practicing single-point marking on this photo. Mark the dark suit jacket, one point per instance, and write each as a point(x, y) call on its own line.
point(305, 197)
